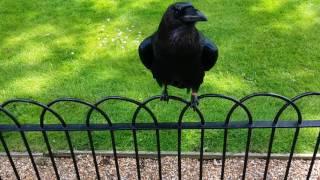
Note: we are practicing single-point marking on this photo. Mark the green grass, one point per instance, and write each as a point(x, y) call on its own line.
point(88, 49)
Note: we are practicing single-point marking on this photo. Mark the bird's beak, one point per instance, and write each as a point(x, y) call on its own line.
point(194, 17)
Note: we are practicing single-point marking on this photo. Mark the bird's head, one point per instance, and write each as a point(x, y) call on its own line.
point(183, 13)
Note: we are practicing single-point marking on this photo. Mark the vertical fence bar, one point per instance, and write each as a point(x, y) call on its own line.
point(316, 148)
point(296, 134)
point(269, 150)
point(224, 150)
point(136, 150)
point(247, 151)
point(93, 107)
point(226, 126)
point(22, 134)
point(26, 144)
point(134, 118)
point(159, 153)
point(201, 153)
point(93, 154)
point(179, 152)
point(180, 132)
point(46, 140)
point(114, 149)
point(74, 160)
point(4, 144)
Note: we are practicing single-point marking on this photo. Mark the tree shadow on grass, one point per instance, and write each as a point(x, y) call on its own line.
point(42, 38)
point(72, 22)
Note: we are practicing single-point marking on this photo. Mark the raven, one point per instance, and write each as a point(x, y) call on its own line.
point(177, 53)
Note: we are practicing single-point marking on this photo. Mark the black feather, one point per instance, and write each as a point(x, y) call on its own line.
point(209, 54)
point(146, 52)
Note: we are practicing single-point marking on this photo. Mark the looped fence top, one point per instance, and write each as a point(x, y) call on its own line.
point(143, 105)
point(35, 103)
point(124, 99)
point(78, 101)
point(283, 98)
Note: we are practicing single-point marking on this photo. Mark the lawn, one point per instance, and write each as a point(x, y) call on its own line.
point(88, 49)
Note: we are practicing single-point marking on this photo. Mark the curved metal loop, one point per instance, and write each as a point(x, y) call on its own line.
point(11, 116)
point(182, 113)
point(279, 113)
point(178, 99)
point(306, 94)
point(36, 103)
point(236, 103)
point(297, 98)
point(78, 101)
point(132, 101)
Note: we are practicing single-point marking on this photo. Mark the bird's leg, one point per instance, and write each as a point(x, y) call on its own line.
point(165, 95)
point(194, 100)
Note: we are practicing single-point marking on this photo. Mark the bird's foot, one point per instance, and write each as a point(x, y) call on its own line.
point(164, 96)
point(194, 101)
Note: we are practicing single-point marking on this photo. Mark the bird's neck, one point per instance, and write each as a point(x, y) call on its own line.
point(183, 34)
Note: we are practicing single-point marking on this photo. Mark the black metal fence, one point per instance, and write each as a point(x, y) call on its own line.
point(156, 126)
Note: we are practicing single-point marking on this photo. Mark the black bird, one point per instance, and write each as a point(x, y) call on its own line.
point(177, 53)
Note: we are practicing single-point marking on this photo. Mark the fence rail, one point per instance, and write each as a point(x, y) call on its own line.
point(157, 126)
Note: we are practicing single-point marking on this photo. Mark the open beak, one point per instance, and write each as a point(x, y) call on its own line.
point(194, 17)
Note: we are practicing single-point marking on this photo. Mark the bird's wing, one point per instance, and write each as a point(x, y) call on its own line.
point(146, 52)
point(209, 54)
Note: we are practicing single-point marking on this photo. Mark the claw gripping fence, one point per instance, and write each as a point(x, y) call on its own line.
point(156, 126)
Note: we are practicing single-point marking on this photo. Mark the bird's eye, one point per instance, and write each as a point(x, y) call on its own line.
point(177, 12)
